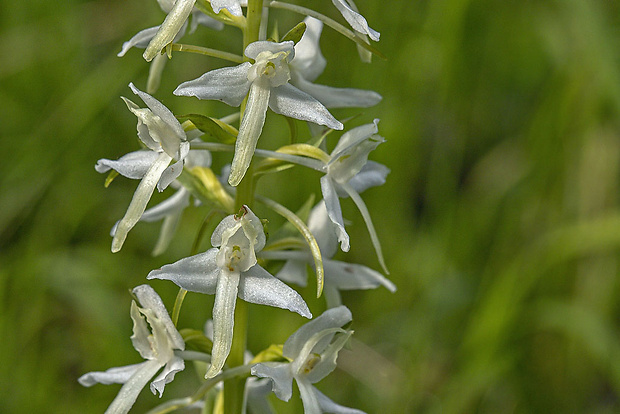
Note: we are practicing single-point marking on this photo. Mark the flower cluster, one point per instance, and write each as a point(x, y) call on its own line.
point(244, 265)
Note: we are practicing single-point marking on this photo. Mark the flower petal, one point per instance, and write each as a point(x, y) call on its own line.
point(289, 101)
point(372, 174)
point(332, 97)
point(117, 375)
point(354, 137)
point(133, 165)
point(197, 273)
point(250, 129)
point(332, 204)
point(149, 299)
point(308, 396)
point(351, 276)
point(294, 271)
point(330, 319)
point(328, 406)
point(140, 39)
point(129, 392)
point(260, 287)
point(174, 21)
point(321, 227)
point(229, 85)
point(141, 333)
point(232, 6)
point(309, 61)
point(139, 201)
point(166, 376)
point(173, 204)
point(327, 363)
point(356, 20)
point(223, 319)
point(280, 375)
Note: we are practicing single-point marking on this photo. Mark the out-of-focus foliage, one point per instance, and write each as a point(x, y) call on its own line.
point(500, 220)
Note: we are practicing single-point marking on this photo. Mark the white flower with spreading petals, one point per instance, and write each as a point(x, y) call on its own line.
point(312, 351)
point(309, 63)
point(229, 270)
point(338, 275)
point(156, 346)
point(349, 173)
point(267, 81)
point(165, 139)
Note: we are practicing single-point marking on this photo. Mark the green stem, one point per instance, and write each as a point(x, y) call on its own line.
point(234, 388)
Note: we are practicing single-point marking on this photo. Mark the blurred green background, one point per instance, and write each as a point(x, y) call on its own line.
point(500, 220)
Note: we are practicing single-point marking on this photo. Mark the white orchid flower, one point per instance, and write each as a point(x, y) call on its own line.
point(267, 81)
point(338, 275)
point(359, 24)
point(165, 139)
point(348, 173)
point(309, 63)
point(312, 351)
point(156, 345)
point(229, 270)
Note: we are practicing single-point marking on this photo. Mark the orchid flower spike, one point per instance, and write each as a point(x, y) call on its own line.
point(156, 346)
point(309, 63)
point(267, 81)
point(338, 275)
point(229, 270)
point(165, 139)
point(312, 351)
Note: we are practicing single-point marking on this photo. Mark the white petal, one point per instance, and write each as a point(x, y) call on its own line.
point(372, 174)
point(155, 71)
point(308, 397)
point(331, 318)
point(173, 134)
point(253, 49)
point(309, 61)
point(223, 320)
point(332, 204)
point(351, 276)
point(117, 375)
point(354, 137)
point(139, 201)
point(294, 271)
point(232, 6)
point(204, 20)
point(172, 205)
point(129, 392)
point(171, 26)
point(149, 299)
point(289, 101)
point(132, 165)
point(338, 97)
point(197, 273)
point(257, 392)
point(321, 227)
point(141, 333)
point(250, 129)
point(328, 406)
point(173, 171)
point(140, 39)
point(280, 375)
point(166, 376)
point(258, 286)
point(229, 85)
point(359, 202)
point(356, 20)
point(327, 363)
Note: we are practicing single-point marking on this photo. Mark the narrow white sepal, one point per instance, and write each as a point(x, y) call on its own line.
point(170, 27)
point(223, 320)
point(250, 129)
point(139, 201)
